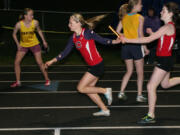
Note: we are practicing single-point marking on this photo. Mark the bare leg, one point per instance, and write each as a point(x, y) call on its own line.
point(19, 56)
point(126, 77)
point(41, 65)
point(96, 98)
point(156, 78)
point(140, 74)
point(168, 82)
point(87, 86)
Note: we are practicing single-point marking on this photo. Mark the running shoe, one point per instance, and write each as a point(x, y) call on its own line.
point(15, 84)
point(102, 113)
point(47, 83)
point(147, 120)
point(122, 96)
point(141, 98)
point(108, 95)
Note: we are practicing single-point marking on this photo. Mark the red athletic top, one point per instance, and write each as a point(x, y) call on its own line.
point(87, 49)
point(165, 44)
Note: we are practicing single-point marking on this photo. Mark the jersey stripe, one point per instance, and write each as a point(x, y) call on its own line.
point(88, 49)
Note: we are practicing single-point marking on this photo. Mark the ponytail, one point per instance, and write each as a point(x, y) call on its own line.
point(21, 17)
point(90, 23)
point(122, 11)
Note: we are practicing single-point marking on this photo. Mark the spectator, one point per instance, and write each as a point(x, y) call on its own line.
point(151, 21)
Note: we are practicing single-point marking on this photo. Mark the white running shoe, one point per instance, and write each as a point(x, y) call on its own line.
point(122, 96)
point(141, 98)
point(102, 113)
point(108, 95)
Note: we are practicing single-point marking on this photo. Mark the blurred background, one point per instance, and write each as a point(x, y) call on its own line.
point(53, 17)
point(76, 5)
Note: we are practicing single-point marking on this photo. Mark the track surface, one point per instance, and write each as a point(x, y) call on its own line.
point(33, 111)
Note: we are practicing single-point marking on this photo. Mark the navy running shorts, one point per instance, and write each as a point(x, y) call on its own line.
point(165, 63)
point(132, 51)
point(97, 70)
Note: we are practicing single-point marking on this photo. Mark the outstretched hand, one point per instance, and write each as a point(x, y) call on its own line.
point(48, 63)
point(117, 41)
point(123, 39)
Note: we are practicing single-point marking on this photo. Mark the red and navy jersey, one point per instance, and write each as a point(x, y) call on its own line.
point(87, 49)
point(85, 44)
point(165, 44)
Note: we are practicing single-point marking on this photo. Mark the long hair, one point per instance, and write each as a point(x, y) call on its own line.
point(174, 8)
point(26, 10)
point(131, 5)
point(122, 11)
point(90, 23)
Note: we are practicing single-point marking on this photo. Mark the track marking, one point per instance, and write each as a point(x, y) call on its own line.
point(76, 92)
point(73, 72)
point(84, 107)
point(82, 128)
point(70, 81)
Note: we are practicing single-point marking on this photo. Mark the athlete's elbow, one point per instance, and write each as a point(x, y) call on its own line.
point(13, 35)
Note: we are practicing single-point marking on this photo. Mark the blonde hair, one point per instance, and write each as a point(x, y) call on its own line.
point(131, 5)
point(26, 10)
point(122, 11)
point(90, 23)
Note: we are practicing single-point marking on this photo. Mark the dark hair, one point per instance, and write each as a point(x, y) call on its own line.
point(26, 10)
point(174, 8)
point(152, 9)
